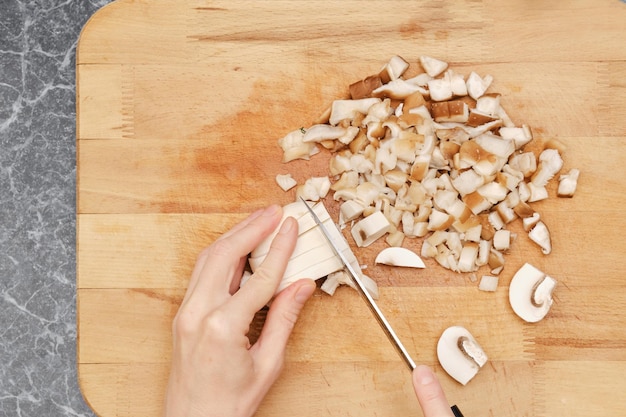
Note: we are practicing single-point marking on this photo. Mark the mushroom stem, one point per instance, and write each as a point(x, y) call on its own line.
point(542, 292)
point(470, 348)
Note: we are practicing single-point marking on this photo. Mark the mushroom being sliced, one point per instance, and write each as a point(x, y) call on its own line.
point(459, 354)
point(530, 293)
point(312, 257)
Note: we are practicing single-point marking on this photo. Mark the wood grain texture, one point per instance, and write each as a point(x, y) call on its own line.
point(179, 108)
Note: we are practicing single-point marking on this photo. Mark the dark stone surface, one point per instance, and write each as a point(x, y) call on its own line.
point(37, 206)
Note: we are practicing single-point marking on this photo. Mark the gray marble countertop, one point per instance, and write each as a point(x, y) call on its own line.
point(37, 206)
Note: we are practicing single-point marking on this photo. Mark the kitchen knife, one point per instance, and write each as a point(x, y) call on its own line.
point(384, 324)
point(378, 314)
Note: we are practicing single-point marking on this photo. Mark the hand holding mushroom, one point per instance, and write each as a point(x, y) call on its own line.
point(215, 371)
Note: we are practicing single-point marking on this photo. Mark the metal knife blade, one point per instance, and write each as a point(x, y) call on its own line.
point(382, 321)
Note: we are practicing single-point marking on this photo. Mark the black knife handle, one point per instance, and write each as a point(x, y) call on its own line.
point(456, 411)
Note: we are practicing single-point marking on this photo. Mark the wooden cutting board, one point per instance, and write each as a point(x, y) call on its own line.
point(179, 107)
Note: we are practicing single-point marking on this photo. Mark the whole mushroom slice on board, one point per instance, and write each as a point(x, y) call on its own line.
point(459, 354)
point(530, 293)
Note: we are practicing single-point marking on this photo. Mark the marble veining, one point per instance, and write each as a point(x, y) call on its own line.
point(37, 206)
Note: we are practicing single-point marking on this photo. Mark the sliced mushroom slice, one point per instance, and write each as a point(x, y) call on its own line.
point(459, 354)
point(397, 256)
point(321, 132)
point(338, 278)
point(530, 293)
point(488, 283)
point(398, 89)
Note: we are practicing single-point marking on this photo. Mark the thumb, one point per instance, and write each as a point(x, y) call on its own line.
point(281, 319)
point(430, 394)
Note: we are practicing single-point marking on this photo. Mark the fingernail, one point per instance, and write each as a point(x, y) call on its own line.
point(304, 292)
point(287, 225)
point(424, 375)
point(271, 210)
point(256, 214)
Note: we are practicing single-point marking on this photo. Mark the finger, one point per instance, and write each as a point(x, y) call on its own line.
point(261, 287)
point(430, 394)
point(200, 261)
point(242, 224)
point(269, 349)
point(225, 257)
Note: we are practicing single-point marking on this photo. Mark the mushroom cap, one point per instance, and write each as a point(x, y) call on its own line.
point(530, 293)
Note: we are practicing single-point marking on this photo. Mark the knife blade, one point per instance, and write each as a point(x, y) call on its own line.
point(378, 314)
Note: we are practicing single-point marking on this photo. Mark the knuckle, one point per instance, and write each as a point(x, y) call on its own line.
point(265, 275)
point(217, 326)
point(282, 245)
point(185, 323)
point(203, 254)
point(189, 325)
point(290, 317)
point(220, 248)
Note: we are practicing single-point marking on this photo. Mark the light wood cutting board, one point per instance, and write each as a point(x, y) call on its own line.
point(180, 105)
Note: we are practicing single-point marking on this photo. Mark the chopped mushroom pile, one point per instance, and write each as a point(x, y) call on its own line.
point(434, 156)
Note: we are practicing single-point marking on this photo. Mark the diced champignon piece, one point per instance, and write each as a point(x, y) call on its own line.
point(368, 230)
point(363, 88)
point(488, 283)
point(433, 66)
point(568, 183)
point(286, 181)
